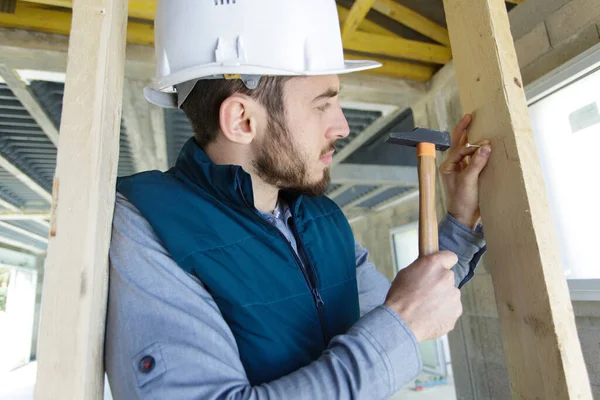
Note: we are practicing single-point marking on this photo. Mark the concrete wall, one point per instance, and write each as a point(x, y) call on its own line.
point(547, 34)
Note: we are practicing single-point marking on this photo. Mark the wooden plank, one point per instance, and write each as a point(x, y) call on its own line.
point(355, 17)
point(21, 49)
point(396, 69)
point(542, 349)
point(142, 9)
point(70, 359)
point(413, 20)
point(29, 17)
point(26, 97)
point(366, 25)
point(398, 47)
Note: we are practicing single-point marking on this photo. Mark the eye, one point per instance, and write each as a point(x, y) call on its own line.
point(324, 107)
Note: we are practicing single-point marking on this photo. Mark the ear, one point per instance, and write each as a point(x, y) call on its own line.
point(237, 118)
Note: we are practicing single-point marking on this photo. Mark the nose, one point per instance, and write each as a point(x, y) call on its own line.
point(339, 128)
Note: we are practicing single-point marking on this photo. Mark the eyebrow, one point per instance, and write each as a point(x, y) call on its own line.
point(331, 92)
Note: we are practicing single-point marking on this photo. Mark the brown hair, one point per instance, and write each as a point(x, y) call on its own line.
point(203, 105)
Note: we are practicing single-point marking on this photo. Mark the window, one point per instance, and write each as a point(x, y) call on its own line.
point(565, 116)
point(405, 245)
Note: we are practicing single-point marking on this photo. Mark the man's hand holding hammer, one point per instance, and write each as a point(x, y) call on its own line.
point(424, 294)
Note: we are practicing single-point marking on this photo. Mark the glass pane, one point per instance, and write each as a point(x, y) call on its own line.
point(406, 246)
point(566, 125)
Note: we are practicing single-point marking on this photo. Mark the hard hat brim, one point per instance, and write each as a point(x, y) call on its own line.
point(160, 91)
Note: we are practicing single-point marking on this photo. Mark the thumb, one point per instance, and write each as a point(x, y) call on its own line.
point(477, 164)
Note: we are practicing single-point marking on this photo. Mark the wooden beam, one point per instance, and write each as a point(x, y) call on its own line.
point(23, 177)
point(397, 69)
point(142, 9)
point(355, 17)
point(381, 90)
point(366, 25)
point(413, 20)
point(26, 97)
point(70, 359)
point(541, 345)
point(21, 49)
point(398, 47)
point(29, 17)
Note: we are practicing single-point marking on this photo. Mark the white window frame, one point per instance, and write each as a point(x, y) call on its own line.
point(401, 229)
point(584, 64)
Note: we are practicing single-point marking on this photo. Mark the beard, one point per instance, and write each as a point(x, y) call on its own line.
point(279, 163)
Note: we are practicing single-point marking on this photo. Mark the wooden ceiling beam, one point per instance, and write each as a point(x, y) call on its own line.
point(366, 25)
point(142, 9)
point(396, 69)
point(398, 47)
point(371, 39)
point(413, 20)
point(355, 17)
point(30, 17)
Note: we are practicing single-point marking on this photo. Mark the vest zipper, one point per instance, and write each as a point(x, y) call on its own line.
point(312, 280)
point(312, 285)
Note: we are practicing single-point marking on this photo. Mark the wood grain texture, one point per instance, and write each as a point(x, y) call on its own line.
point(542, 349)
point(70, 359)
point(428, 223)
point(398, 47)
point(413, 20)
point(355, 17)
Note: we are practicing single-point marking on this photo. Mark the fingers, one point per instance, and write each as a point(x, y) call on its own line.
point(446, 259)
point(460, 130)
point(478, 162)
point(456, 156)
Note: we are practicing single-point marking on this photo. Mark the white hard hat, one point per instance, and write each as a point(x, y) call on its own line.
point(245, 39)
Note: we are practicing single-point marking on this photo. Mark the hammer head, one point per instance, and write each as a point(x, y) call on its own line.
point(440, 139)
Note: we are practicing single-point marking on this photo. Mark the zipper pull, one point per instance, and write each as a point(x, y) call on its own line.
point(318, 298)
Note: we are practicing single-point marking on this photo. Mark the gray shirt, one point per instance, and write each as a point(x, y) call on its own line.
point(158, 312)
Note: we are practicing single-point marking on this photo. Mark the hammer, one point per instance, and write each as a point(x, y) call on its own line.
point(426, 141)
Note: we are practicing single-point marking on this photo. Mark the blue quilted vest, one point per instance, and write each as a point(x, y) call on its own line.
point(281, 313)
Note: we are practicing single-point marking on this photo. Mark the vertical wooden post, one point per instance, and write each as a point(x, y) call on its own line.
point(542, 349)
point(70, 362)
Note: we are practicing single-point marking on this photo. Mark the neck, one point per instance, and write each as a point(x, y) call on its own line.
point(265, 195)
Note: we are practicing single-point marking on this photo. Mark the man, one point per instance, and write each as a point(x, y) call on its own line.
point(232, 276)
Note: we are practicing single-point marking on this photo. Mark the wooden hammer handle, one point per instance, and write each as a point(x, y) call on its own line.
point(428, 224)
